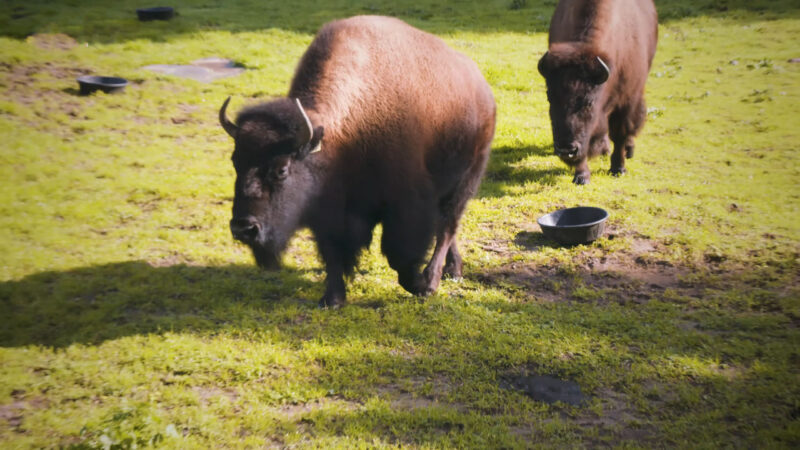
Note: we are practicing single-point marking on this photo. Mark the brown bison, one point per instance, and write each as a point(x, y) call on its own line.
point(596, 66)
point(383, 123)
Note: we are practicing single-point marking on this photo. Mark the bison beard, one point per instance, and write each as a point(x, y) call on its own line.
point(383, 124)
point(265, 258)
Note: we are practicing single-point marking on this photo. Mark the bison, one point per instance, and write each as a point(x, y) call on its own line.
point(599, 55)
point(383, 123)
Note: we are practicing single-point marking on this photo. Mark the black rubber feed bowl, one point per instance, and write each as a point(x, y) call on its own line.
point(157, 13)
point(572, 226)
point(91, 83)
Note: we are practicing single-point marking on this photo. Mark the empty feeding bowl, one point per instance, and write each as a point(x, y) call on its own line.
point(156, 13)
point(572, 226)
point(92, 83)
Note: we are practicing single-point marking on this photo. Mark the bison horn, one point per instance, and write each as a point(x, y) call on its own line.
point(229, 126)
point(305, 133)
point(606, 71)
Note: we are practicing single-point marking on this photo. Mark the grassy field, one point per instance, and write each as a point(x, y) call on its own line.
point(129, 317)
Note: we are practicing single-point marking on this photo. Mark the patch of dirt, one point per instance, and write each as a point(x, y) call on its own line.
point(14, 413)
point(635, 275)
point(186, 115)
point(617, 412)
point(57, 41)
point(295, 412)
point(617, 421)
point(22, 74)
point(173, 259)
point(406, 396)
point(209, 394)
point(17, 80)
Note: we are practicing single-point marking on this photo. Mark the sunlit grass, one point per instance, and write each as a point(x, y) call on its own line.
point(129, 317)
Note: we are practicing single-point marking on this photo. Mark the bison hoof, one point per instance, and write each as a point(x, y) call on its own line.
point(581, 178)
point(452, 271)
point(333, 301)
point(417, 285)
point(618, 171)
point(431, 279)
point(629, 152)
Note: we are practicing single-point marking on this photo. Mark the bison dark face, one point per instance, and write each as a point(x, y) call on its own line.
point(574, 87)
point(274, 181)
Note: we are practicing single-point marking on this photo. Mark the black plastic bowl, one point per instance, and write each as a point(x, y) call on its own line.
point(572, 226)
point(157, 13)
point(91, 83)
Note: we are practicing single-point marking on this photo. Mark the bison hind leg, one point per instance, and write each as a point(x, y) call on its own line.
point(624, 124)
point(407, 234)
point(358, 237)
point(599, 145)
point(453, 266)
point(451, 208)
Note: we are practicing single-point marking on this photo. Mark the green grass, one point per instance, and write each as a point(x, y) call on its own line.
point(130, 318)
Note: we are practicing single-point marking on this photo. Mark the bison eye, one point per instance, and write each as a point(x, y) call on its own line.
point(280, 172)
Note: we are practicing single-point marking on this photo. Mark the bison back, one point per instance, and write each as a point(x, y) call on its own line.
point(387, 90)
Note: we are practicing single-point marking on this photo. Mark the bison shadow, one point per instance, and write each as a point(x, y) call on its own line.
point(90, 305)
point(501, 172)
point(93, 304)
point(534, 241)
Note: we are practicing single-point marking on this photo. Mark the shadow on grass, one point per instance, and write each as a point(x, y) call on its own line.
point(502, 172)
point(442, 387)
point(102, 22)
point(93, 304)
point(534, 241)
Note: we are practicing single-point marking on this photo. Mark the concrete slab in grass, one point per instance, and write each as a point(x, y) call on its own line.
point(204, 70)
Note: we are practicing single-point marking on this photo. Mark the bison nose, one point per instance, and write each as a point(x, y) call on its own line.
point(245, 229)
point(569, 150)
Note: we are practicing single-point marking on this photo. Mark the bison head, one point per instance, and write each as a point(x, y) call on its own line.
point(274, 181)
point(574, 77)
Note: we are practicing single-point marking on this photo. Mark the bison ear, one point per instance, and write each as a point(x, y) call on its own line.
point(544, 64)
point(313, 146)
point(600, 71)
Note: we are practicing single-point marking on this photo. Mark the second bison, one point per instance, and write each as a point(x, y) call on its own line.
point(383, 123)
point(599, 55)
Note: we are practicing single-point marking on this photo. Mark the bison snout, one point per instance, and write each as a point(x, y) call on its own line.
point(569, 151)
point(245, 229)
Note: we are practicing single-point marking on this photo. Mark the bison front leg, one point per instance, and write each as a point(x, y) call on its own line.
point(335, 291)
point(335, 295)
point(582, 173)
